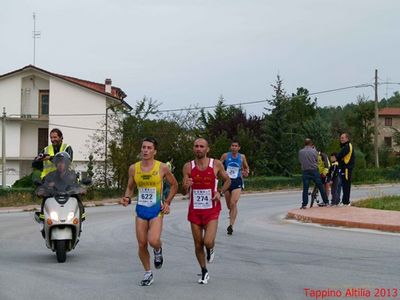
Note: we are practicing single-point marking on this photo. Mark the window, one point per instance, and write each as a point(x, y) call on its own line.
point(43, 103)
point(388, 121)
point(388, 141)
point(43, 138)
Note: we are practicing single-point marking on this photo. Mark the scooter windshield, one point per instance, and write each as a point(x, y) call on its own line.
point(60, 183)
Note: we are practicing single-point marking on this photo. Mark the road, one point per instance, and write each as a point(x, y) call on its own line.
point(268, 257)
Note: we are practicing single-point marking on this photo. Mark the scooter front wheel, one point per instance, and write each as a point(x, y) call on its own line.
point(61, 250)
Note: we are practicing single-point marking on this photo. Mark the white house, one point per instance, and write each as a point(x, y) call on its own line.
point(36, 100)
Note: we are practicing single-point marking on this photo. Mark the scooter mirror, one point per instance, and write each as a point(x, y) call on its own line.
point(86, 181)
point(37, 182)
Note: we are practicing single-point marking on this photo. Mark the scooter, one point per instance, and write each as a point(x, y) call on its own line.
point(62, 222)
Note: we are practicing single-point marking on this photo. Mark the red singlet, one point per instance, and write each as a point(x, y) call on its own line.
point(202, 209)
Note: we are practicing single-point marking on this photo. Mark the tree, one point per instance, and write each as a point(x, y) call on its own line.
point(319, 131)
point(393, 101)
point(174, 134)
point(144, 108)
point(359, 120)
point(278, 146)
point(301, 108)
point(228, 122)
point(90, 166)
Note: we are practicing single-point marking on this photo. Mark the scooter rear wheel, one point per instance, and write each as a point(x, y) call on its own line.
point(61, 250)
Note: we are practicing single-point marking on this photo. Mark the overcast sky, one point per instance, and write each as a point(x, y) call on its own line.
point(190, 51)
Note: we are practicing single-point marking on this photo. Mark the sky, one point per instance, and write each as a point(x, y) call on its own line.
point(184, 53)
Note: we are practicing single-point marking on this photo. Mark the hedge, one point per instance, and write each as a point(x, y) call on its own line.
point(26, 196)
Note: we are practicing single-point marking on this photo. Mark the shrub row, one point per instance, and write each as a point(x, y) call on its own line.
point(276, 182)
point(26, 196)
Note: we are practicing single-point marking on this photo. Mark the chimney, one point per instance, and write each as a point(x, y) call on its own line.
point(108, 83)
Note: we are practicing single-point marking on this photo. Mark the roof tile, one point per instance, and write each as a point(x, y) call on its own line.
point(389, 111)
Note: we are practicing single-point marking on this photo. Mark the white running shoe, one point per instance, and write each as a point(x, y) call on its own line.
point(204, 278)
point(147, 279)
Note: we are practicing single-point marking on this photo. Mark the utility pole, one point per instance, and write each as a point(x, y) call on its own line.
point(376, 150)
point(35, 35)
point(3, 149)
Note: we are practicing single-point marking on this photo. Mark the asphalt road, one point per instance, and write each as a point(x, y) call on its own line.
point(268, 257)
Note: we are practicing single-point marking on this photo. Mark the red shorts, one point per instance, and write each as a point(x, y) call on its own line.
point(202, 218)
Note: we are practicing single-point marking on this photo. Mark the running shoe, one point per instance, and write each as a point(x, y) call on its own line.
point(147, 279)
point(204, 278)
point(210, 255)
point(158, 259)
point(229, 230)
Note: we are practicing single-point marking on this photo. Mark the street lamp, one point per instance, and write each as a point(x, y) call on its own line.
point(106, 142)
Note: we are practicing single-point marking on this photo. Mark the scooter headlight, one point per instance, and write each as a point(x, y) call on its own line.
point(54, 216)
point(70, 216)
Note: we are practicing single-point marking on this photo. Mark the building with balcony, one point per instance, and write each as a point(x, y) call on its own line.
point(36, 100)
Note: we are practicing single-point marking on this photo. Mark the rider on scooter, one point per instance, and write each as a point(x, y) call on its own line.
point(62, 179)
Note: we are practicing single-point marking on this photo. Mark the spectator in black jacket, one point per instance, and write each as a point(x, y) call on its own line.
point(346, 158)
point(334, 180)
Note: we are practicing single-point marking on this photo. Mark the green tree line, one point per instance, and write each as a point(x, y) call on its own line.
point(270, 141)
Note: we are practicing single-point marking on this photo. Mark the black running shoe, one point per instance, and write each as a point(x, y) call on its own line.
point(158, 259)
point(147, 279)
point(229, 230)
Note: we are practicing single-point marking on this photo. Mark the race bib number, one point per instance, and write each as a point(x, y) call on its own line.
point(202, 199)
point(233, 172)
point(147, 197)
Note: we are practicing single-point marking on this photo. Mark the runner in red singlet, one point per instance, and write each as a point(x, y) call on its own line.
point(200, 180)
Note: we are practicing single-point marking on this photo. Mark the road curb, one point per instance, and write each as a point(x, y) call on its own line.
point(307, 218)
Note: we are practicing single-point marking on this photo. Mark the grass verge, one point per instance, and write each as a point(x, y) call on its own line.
point(386, 203)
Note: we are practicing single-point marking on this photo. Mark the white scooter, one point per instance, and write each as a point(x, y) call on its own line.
point(61, 216)
point(62, 224)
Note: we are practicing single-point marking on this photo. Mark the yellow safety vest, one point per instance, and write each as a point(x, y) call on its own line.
point(48, 166)
point(321, 165)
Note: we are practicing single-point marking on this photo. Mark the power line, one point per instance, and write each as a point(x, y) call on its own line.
point(183, 109)
point(206, 107)
point(63, 125)
point(339, 89)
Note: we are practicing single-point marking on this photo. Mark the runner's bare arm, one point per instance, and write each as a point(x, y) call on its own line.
point(174, 188)
point(130, 187)
point(221, 174)
point(173, 183)
point(223, 157)
point(246, 169)
point(187, 181)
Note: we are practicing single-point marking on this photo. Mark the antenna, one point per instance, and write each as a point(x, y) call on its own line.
point(35, 35)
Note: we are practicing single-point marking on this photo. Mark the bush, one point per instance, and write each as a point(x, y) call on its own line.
point(263, 182)
point(103, 193)
point(361, 163)
point(27, 196)
point(18, 196)
point(374, 175)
